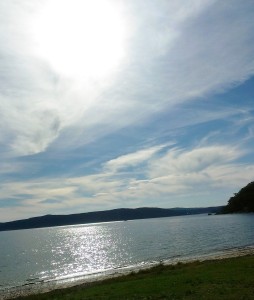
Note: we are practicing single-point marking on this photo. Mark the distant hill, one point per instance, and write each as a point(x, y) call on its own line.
point(121, 214)
point(243, 201)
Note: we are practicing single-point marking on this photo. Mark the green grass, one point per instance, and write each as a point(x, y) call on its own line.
point(231, 278)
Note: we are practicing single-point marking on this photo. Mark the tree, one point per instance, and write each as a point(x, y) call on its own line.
point(243, 201)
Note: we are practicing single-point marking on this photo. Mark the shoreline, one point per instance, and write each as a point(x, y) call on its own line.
point(91, 279)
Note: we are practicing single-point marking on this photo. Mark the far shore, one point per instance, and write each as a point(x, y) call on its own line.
point(98, 278)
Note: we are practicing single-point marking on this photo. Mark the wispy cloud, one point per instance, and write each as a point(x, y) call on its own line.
point(132, 159)
point(169, 178)
point(162, 129)
point(195, 160)
point(178, 51)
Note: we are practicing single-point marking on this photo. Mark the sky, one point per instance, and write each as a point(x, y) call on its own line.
point(111, 103)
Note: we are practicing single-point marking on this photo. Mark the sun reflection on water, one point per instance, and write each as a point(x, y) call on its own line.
point(80, 250)
point(69, 253)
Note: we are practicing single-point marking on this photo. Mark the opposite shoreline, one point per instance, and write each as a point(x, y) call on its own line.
point(94, 279)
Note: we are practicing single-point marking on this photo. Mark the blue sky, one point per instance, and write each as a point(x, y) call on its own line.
point(124, 104)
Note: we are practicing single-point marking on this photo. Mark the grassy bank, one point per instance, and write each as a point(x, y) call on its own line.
point(231, 278)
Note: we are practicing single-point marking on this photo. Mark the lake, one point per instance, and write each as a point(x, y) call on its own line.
point(33, 256)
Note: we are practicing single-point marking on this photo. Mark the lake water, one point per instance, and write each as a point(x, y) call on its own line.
point(61, 253)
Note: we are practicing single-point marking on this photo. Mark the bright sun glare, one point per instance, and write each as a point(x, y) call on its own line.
point(81, 39)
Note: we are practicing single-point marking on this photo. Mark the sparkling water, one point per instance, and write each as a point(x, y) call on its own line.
point(49, 254)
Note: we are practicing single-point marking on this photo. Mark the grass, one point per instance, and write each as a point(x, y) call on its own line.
point(231, 278)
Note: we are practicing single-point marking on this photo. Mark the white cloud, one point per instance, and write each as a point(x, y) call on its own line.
point(132, 159)
point(202, 176)
point(198, 159)
point(179, 50)
point(195, 176)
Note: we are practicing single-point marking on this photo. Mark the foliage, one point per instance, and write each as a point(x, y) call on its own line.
point(243, 201)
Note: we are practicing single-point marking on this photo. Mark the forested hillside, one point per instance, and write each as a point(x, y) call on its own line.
point(243, 201)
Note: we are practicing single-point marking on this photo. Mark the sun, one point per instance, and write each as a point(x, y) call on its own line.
point(81, 39)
